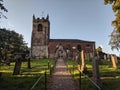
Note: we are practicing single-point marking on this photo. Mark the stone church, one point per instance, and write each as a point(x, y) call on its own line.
point(44, 47)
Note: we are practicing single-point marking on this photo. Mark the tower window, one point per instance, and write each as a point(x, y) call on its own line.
point(39, 27)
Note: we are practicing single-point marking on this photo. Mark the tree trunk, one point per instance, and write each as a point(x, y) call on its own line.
point(29, 64)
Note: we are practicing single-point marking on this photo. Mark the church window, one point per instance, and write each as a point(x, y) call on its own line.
point(87, 46)
point(39, 27)
point(79, 47)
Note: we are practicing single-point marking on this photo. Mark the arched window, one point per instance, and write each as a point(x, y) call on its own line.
point(39, 27)
point(68, 47)
point(79, 47)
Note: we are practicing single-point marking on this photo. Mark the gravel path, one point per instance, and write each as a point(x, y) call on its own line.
point(61, 78)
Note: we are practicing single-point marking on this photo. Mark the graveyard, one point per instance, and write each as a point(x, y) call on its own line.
point(27, 77)
point(59, 45)
point(110, 77)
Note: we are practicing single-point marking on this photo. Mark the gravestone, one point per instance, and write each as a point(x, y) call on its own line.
point(83, 67)
point(105, 57)
point(95, 70)
point(77, 56)
point(108, 57)
point(114, 61)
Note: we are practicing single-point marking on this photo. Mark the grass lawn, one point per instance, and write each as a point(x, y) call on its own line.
point(27, 77)
point(109, 76)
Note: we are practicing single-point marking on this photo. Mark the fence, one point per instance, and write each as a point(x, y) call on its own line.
point(72, 70)
point(38, 81)
point(44, 75)
point(81, 73)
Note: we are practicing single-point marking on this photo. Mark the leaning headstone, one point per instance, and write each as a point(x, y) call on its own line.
point(113, 62)
point(83, 66)
point(95, 70)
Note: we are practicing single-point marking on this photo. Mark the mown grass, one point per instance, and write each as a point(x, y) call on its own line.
point(27, 77)
point(109, 76)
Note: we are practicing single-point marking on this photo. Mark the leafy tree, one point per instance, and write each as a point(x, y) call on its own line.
point(13, 46)
point(99, 49)
point(115, 40)
point(11, 43)
point(115, 35)
point(2, 8)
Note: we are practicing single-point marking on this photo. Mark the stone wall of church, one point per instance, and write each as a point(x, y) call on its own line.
point(88, 47)
point(40, 51)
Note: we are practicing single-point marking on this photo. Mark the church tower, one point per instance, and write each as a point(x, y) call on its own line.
point(40, 37)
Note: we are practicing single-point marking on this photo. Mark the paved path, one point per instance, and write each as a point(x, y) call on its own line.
point(61, 78)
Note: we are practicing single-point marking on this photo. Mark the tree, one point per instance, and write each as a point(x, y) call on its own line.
point(115, 35)
point(11, 43)
point(115, 40)
point(2, 8)
point(99, 49)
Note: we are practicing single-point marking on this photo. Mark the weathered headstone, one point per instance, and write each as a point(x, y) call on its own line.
point(108, 57)
point(113, 59)
point(77, 56)
point(83, 61)
point(87, 56)
point(105, 57)
point(95, 70)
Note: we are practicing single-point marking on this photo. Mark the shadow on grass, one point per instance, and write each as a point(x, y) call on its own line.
point(20, 82)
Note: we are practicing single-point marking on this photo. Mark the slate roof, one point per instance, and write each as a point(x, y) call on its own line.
point(69, 40)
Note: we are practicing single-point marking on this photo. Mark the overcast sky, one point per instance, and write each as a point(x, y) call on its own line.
point(69, 19)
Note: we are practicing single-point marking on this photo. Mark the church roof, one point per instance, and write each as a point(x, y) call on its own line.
point(69, 40)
